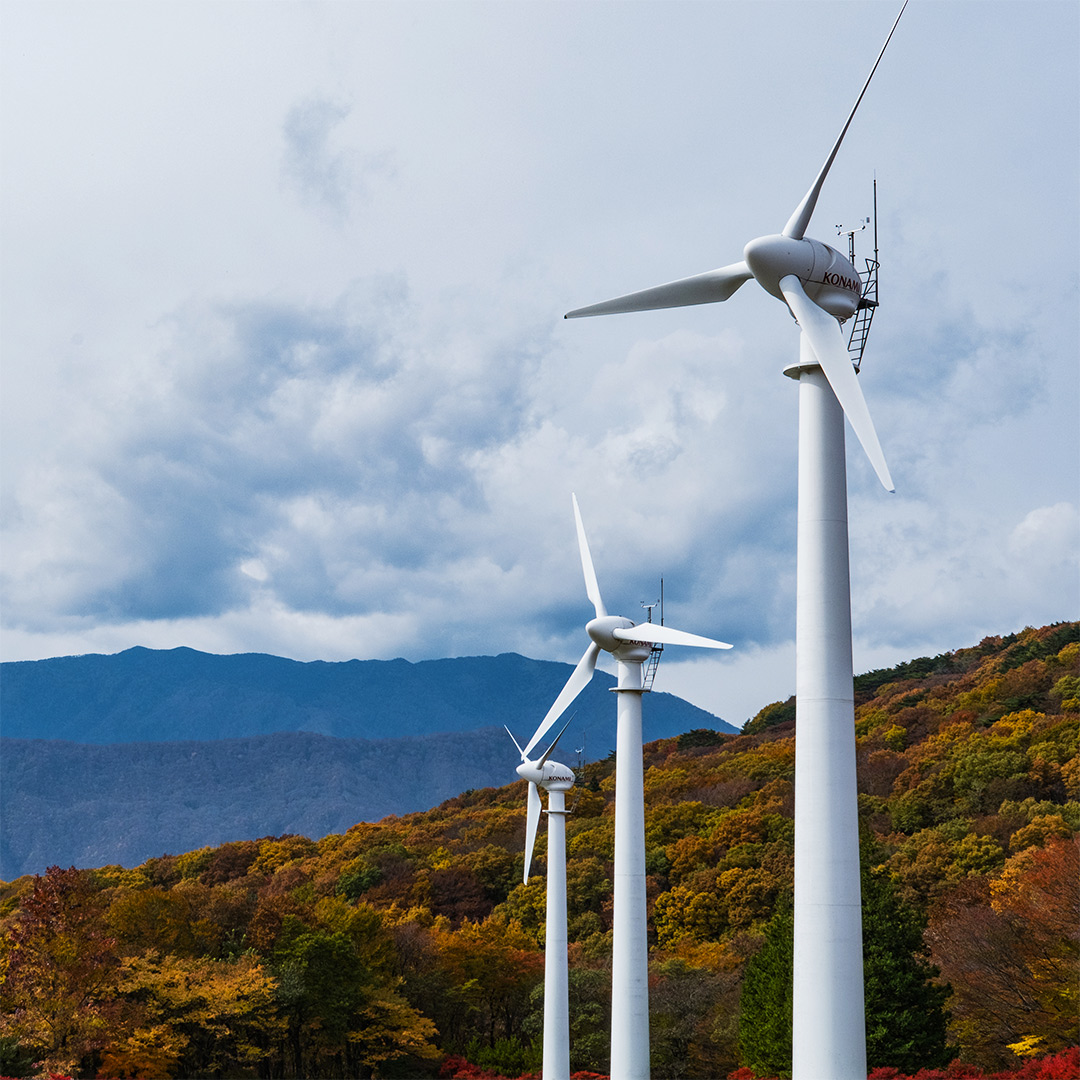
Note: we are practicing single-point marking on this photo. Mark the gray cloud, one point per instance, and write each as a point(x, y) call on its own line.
point(322, 172)
point(321, 442)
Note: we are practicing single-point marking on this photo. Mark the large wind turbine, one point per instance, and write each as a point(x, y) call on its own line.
point(556, 779)
point(821, 289)
point(631, 645)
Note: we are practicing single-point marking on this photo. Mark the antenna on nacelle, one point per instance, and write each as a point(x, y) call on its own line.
point(654, 657)
point(868, 301)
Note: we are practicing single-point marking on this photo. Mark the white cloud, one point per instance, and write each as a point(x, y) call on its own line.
point(1048, 536)
point(734, 685)
point(960, 571)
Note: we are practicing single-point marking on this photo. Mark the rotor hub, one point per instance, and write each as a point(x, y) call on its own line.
point(600, 630)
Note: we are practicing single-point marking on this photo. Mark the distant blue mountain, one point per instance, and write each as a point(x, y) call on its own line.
point(115, 759)
point(151, 695)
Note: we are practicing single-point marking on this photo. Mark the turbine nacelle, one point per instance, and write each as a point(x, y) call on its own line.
point(550, 775)
point(828, 278)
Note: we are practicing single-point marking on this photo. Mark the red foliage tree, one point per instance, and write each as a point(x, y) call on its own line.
point(59, 990)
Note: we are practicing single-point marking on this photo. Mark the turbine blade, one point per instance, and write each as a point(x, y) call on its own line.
point(708, 288)
point(800, 220)
point(532, 820)
point(514, 741)
point(827, 340)
point(592, 586)
point(579, 679)
point(555, 742)
point(666, 635)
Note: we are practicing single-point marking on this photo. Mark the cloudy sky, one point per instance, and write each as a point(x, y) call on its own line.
point(284, 368)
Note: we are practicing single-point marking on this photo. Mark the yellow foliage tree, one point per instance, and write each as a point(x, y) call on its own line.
point(208, 1015)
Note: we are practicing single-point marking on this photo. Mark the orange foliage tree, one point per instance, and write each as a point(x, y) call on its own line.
point(1009, 946)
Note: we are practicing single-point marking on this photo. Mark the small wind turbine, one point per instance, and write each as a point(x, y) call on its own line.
point(630, 643)
point(821, 289)
point(556, 779)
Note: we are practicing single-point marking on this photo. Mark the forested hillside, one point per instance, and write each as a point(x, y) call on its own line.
point(82, 805)
point(404, 947)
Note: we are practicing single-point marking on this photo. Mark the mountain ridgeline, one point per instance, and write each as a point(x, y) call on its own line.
point(150, 695)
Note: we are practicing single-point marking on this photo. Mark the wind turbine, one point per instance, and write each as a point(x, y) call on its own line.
point(821, 289)
point(556, 779)
point(630, 643)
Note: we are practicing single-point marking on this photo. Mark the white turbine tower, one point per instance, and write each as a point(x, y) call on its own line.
point(821, 288)
point(630, 643)
point(556, 779)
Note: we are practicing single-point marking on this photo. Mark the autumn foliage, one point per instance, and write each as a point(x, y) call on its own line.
point(409, 947)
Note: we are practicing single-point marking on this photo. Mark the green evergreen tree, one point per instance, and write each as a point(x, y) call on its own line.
point(765, 1003)
point(16, 1059)
point(906, 1018)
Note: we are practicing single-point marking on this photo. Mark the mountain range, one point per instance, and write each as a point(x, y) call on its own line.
point(118, 758)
